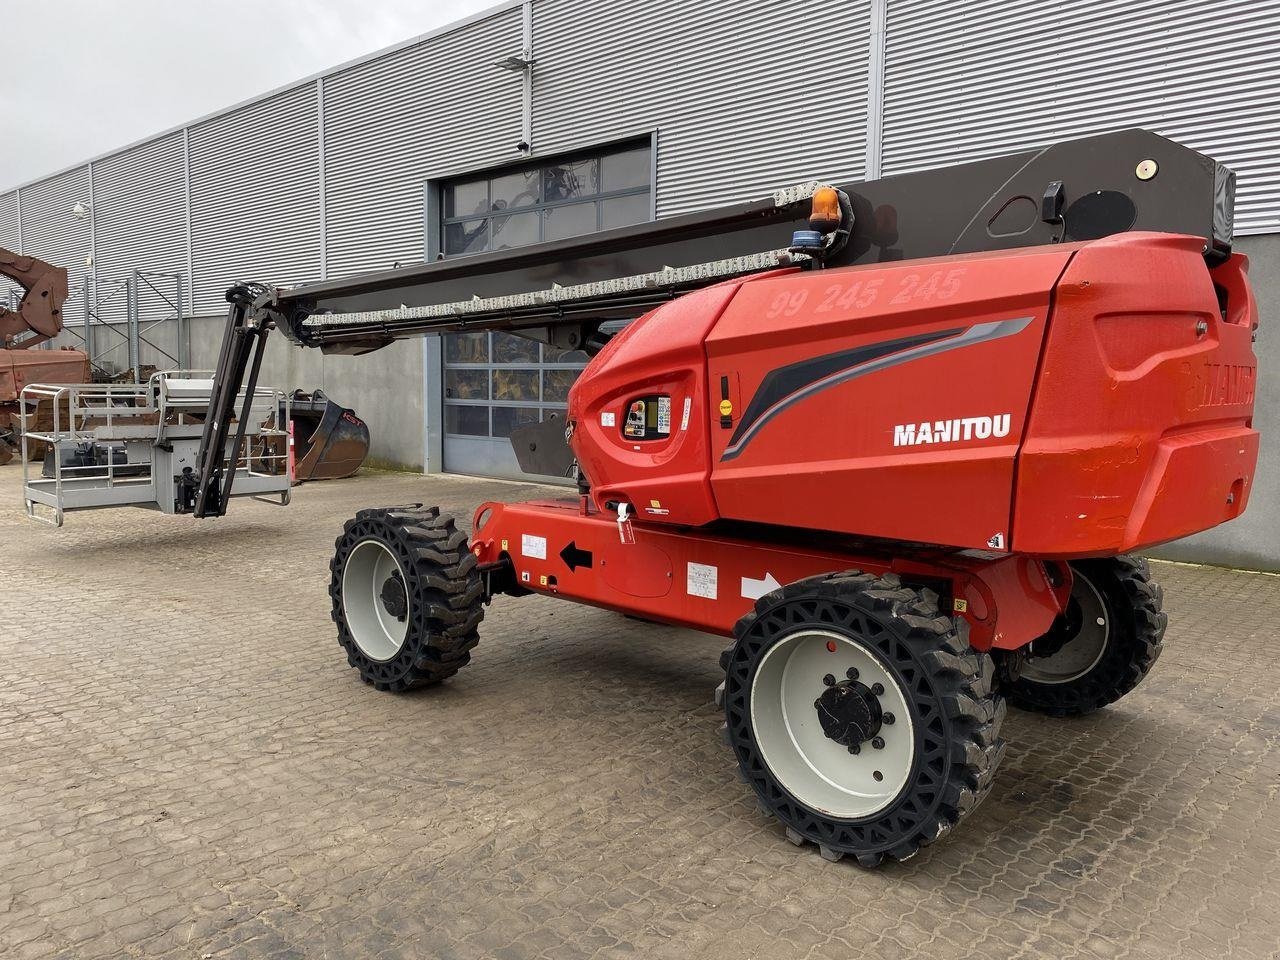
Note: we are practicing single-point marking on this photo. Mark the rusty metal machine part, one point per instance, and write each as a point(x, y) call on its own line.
point(39, 316)
point(330, 441)
point(40, 311)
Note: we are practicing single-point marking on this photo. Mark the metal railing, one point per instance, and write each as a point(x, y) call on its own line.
point(103, 437)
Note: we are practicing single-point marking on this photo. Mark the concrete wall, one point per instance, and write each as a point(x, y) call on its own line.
point(384, 388)
point(1252, 541)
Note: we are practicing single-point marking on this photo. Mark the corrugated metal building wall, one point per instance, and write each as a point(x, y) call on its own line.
point(140, 221)
point(325, 178)
point(993, 79)
point(742, 99)
point(255, 195)
point(329, 176)
point(431, 109)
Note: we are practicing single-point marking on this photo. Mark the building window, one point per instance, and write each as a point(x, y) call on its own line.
point(495, 382)
point(553, 200)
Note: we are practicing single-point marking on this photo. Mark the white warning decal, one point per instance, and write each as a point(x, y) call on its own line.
point(531, 546)
point(684, 419)
point(996, 541)
point(664, 415)
point(608, 418)
point(700, 580)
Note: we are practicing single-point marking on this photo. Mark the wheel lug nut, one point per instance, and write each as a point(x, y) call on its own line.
point(878, 743)
point(878, 776)
point(877, 688)
point(829, 680)
point(854, 748)
point(852, 673)
point(888, 719)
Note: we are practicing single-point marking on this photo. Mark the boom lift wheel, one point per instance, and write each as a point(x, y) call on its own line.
point(859, 715)
point(1099, 649)
point(406, 596)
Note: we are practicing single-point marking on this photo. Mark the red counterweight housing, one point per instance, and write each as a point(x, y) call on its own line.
point(1067, 400)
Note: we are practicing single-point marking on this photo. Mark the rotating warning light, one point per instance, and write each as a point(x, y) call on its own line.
point(824, 212)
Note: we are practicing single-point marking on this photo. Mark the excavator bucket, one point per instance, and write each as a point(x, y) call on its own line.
point(330, 441)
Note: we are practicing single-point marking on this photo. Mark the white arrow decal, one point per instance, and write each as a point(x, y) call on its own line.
point(755, 589)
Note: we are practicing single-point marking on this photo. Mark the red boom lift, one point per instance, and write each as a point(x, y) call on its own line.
point(904, 463)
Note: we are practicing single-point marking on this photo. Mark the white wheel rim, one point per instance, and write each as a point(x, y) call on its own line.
point(376, 631)
point(1082, 652)
point(818, 771)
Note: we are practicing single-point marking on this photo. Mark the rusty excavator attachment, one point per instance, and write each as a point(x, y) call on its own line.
point(37, 320)
point(330, 441)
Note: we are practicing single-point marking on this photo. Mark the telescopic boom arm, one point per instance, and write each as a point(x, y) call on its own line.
point(565, 292)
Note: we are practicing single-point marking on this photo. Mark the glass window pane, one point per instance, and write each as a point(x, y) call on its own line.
point(470, 236)
point(514, 231)
point(508, 348)
point(506, 419)
point(468, 421)
point(564, 181)
point(515, 190)
point(556, 384)
point(466, 199)
point(466, 384)
point(466, 348)
point(624, 211)
point(515, 384)
point(571, 221)
point(621, 171)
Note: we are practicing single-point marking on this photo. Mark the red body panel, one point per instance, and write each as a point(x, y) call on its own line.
point(662, 352)
point(1063, 401)
point(833, 447)
point(1140, 427)
point(707, 582)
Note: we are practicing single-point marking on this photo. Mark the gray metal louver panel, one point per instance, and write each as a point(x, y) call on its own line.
point(432, 109)
point(744, 98)
point(139, 205)
point(1011, 78)
point(51, 229)
point(9, 221)
point(255, 198)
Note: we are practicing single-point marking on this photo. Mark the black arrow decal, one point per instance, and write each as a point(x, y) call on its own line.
point(574, 558)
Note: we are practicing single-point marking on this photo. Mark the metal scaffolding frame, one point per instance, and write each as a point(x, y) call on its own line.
point(149, 299)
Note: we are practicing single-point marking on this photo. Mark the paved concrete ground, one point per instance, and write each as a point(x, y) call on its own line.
point(190, 769)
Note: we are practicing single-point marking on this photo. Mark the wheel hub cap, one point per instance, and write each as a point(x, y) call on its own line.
point(393, 596)
point(1075, 642)
point(849, 713)
point(818, 749)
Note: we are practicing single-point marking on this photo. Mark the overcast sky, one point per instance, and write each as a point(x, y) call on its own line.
point(79, 77)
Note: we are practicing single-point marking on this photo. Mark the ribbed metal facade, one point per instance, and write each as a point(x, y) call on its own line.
point(432, 109)
point(255, 196)
point(993, 78)
point(140, 218)
point(327, 177)
point(9, 221)
point(743, 98)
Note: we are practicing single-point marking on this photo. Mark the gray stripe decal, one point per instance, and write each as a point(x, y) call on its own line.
point(978, 333)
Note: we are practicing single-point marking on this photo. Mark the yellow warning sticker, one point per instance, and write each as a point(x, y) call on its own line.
point(656, 504)
point(543, 580)
point(960, 606)
point(504, 544)
point(726, 408)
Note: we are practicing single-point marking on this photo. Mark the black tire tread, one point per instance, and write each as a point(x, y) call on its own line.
point(963, 677)
point(1135, 601)
point(446, 595)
